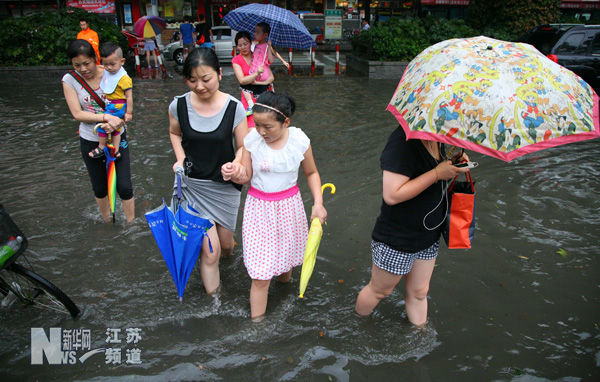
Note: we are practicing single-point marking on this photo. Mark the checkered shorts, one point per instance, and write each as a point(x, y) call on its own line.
point(398, 262)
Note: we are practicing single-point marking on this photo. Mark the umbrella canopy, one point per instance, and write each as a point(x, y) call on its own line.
point(179, 231)
point(111, 175)
point(312, 246)
point(286, 28)
point(149, 26)
point(497, 98)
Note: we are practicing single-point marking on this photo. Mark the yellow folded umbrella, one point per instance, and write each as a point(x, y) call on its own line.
point(312, 246)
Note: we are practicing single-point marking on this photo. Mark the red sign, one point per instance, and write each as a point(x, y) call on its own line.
point(96, 6)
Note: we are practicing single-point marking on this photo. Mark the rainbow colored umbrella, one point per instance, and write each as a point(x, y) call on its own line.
point(149, 26)
point(111, 175)
point(111, 172)
point(312, 246)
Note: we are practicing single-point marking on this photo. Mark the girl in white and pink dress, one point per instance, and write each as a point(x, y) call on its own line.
point(275, 228)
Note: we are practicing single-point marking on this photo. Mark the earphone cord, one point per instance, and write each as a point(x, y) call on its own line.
point(444, 188)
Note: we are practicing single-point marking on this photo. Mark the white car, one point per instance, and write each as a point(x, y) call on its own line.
point(223, 46)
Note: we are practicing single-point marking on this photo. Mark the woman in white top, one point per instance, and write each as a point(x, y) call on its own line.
point(274, 229)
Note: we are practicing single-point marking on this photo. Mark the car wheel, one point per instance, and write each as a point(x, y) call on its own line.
point(178, 56)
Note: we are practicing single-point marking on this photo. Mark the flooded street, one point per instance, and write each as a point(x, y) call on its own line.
point(522, 305)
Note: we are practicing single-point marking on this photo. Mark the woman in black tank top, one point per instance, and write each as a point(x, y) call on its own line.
point(203, 126)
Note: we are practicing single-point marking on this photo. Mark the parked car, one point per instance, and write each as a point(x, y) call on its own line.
point(223, 46)
point(576, 47)
point(544, 37)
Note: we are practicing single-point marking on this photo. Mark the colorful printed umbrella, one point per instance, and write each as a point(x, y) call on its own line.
point(179, 231)
point(494, 97)
point(149, 26)
point(286, 28)
point(111, 175)
point(312, 246)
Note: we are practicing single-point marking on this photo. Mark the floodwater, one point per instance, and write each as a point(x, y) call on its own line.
point(522, 305)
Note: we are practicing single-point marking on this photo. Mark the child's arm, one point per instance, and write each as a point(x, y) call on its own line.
point(175, 135)
point(270, 54)
point(287, 65)
point(314, 183)
point(129, 111)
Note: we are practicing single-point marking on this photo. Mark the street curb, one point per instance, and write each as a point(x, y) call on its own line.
point(381, 70)
point(17, 75)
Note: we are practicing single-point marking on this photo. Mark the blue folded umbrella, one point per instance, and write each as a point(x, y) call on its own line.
point(179, 231)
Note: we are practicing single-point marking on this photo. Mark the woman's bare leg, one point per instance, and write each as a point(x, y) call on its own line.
point(417, 286)
point(226, 240)
point(381, 285)
point(209, 263)
point(129, 209)
point(104, 208)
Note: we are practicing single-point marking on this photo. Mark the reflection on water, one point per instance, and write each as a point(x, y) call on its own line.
point(521, 306)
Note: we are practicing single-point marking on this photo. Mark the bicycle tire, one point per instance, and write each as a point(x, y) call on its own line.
point(37, 291)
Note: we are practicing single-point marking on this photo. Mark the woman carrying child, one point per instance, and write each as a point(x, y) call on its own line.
point(207, 129)
point(250, 87)
point(88, 113)
point(275, 228)
point(407, 232)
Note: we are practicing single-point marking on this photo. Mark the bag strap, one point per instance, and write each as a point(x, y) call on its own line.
point(88, 88)
point(469, 179)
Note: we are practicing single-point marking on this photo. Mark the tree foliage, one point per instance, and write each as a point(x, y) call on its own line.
point(42, 38)
point(516, 16)
point(401, 39)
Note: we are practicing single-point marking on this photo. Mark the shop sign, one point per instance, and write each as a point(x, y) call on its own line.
point(95, 6)
point(333, 23)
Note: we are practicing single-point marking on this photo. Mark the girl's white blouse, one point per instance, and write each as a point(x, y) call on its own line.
point(276, 170)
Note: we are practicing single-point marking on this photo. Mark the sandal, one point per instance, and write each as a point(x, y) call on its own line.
point(96, 153)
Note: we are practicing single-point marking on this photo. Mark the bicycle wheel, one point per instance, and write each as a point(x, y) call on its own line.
point(35, 290)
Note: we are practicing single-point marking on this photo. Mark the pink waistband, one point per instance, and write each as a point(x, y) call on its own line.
point(273, 196)
point(116, 101)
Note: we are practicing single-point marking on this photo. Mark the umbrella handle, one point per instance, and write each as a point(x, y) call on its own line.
point(178, 172)
point(328, 185)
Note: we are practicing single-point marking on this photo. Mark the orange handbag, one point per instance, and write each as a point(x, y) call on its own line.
point(459, 227)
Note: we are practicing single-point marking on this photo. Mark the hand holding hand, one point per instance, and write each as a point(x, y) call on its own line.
point(227, 170)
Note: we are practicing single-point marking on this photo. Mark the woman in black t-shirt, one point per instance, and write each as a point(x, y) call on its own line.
point(406, 234)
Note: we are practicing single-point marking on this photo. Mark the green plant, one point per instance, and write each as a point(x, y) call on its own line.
point(401, 39)
point(516, 16)
point(42, 39)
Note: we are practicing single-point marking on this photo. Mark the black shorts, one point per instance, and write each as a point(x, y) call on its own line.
point(97, 170)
